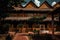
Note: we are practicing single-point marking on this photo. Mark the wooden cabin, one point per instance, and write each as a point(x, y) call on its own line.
point(19, 18)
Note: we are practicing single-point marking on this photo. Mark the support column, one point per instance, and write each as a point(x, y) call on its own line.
point(52, 24)
point(46, 26)
point(11, 28)
point(59, 17)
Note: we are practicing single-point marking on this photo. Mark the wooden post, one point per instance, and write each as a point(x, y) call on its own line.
point(11, 28)
point(59, 17)
point(52, 24)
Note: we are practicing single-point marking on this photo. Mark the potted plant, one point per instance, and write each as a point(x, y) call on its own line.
point(6, 27)
point(20, 27)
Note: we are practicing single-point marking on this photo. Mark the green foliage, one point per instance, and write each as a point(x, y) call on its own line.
point(57, 24)
point(6, 25)
point(37, 19)
point(20, 25)
point(3, 15)
point(15, 2)
point(34, 31)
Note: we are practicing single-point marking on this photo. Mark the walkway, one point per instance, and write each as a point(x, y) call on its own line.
point(19, 36)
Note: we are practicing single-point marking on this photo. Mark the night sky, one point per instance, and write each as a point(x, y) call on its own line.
point(51, 2)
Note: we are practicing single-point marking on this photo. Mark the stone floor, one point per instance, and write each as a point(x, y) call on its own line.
point(2, 36)
point(19, 36)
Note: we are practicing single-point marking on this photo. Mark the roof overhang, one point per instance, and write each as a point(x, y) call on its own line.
point(17, 18)
point(32, 9)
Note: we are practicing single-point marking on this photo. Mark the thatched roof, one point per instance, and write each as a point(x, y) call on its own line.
point(57, 5)
point(31, 6)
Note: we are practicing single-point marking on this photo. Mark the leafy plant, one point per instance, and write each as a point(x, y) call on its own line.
point(20, 25)
point(3, 15)
point(6, 25)
point(35, 31)
point(15, 2)
point(37, 19)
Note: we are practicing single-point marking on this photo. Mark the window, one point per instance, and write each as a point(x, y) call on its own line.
point(56, 17)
